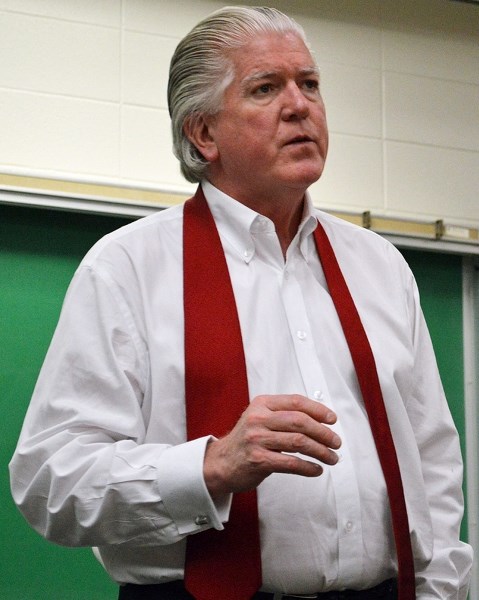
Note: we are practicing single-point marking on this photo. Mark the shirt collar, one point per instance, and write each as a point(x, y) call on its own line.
point(239, 224)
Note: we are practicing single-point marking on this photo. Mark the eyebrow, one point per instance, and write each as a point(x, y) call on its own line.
point(262, 75)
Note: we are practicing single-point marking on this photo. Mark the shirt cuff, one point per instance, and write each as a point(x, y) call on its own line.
point(183, 490)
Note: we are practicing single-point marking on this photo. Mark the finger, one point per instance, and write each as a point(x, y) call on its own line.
point(294, 421)
point(295, 402)
point(301, 423)
point(298, 443)
point(293, 465)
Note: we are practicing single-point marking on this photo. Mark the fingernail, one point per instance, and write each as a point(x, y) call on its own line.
point(330, 417)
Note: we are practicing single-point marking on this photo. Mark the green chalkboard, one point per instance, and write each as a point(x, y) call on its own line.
point(39, 251)
point(439, 278)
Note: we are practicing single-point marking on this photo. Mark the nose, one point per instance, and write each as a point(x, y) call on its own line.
point(295, 103)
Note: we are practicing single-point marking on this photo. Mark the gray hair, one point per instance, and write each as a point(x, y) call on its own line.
point(200, 71)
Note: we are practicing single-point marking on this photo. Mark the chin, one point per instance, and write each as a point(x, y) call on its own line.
point(304, 177)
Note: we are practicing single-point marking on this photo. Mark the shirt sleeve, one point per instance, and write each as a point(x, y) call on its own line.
point(448, 572)
point(82, 474)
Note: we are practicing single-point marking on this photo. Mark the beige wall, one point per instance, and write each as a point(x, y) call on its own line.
point(83, 96)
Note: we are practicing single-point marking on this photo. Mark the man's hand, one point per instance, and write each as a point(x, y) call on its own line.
point(270, 427)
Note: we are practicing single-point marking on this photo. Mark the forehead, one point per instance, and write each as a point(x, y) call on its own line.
point(272, 52)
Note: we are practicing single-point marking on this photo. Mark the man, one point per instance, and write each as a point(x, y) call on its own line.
point(111, 457)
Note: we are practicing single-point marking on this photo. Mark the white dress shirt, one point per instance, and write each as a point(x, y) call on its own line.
point(102, 458)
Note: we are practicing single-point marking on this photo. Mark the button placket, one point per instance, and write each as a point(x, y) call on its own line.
point(342, 473)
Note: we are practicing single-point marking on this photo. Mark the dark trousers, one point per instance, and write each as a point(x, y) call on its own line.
point(175, 590)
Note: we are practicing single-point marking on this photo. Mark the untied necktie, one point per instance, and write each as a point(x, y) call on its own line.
point(219, 564)
point(367, 375)
point(227, 564)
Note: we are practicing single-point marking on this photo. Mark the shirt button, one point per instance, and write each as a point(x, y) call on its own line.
point(202, 520)
point(301, 334)
point(318, 395)
point(348, 527)
point(248, 253)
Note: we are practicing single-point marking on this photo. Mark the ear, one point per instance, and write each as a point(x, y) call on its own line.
point(197, 130)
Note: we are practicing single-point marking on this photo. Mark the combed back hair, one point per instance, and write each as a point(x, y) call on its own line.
point(201, 70)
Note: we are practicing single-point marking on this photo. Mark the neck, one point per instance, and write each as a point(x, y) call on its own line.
point(286, 210)
point(286, 222)
point(286, 217)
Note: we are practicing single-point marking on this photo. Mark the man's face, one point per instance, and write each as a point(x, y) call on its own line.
point(270, 136)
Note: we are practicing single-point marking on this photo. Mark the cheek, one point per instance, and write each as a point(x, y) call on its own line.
point(324, 144)
point(322, 129)
point(255, 140)
point(261, 123)
point(263, 136)
point(322, 122)
point(248, 138)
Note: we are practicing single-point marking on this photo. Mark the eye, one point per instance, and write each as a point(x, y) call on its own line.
point(311, 85)
point(263, 89)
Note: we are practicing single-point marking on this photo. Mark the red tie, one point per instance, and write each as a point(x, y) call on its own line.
point(219, 564)
point(227, 564)
point(367, 375)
